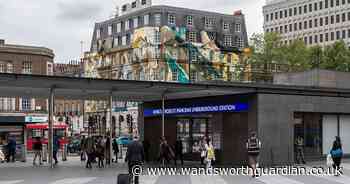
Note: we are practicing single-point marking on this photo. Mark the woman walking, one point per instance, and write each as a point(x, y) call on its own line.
point(337, 154)
point(210, 157)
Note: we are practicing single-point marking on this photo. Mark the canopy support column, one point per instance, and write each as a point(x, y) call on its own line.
point(110, 128)
point(51, 111)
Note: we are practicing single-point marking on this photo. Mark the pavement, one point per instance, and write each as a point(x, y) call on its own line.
point(74, 172)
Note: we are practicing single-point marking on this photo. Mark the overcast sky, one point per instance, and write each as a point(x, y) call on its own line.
point(62, 24)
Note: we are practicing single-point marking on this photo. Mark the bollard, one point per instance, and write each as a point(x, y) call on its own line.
point(44, 153)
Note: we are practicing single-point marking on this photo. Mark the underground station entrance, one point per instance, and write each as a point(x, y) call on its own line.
point(224, 112)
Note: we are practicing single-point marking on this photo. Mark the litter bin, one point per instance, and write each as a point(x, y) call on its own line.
point(64, 152)
point(44, 153)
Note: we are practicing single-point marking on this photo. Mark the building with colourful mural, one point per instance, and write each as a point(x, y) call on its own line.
point(164, 43)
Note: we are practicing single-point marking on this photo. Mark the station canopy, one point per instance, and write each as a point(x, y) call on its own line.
point(38, 86)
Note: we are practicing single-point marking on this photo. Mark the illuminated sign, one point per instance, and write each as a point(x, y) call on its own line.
point(236, 107)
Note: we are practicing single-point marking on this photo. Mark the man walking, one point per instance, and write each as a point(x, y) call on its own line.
point(90, 149)
point(56, 147)
point(37, 148)
point(178, 151)
point(115, 149)
point(299, 145)
point(253, 148)
point(135, 157)
point(11, 147)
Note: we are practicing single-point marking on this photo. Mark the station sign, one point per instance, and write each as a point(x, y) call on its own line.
point(234, 107)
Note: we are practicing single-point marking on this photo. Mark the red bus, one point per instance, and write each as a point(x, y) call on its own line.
point(42, 130)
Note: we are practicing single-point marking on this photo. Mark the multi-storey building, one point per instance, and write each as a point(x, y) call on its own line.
point(15, 113)
point(150, 42)
point(317, 22)
point(66, 110)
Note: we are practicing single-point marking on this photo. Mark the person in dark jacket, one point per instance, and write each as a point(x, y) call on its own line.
point(56, 147)
point(337, 154)
point(115, 149)
point(90, 149)
point(37, 148)
point(178, 151)
point(135, 156)
point(11, 148)
point(146, 146)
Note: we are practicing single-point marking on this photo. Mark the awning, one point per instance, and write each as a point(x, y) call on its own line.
point(46, 126)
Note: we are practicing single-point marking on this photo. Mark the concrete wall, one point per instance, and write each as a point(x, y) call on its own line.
point(275, 117)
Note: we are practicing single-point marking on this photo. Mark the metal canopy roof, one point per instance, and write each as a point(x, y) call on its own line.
point(38, 86)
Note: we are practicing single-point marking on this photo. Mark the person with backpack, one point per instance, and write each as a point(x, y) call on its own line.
point(253, 148)
point(337, 154)
point(210, 156)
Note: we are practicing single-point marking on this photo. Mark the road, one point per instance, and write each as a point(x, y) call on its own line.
point(73, 172)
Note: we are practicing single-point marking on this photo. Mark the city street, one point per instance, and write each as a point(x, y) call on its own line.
point(73, 172)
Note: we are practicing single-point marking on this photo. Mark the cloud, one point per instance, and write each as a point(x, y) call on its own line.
point(78, 10)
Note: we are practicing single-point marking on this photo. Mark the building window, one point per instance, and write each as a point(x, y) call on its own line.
point(337, 18)
point(49, 69)
point(316, 39)
point(124, 40)
point(276, 15)
point(349, 33)
point(332, 3)
point(348, 16)
point(281, 14)
point(326, 37)
point(136, 22)
point(295, 11)
point(116, 42)
point(2, 67)
point(119, 27)
point(209, 22)
point(127, 25)
point(189, 20)
point(228, 40)
point(343, 17)
point(315, 6)
point(290, 28)
point(174, 75)
point(285, 13)
point(305, 40)
point(300, 10)
point(171, 19)
point(310, 24)
point(295, 26)
point(212, 35)
point(326, 4)
point(146, 19)
point(332, 36)
point(321, 21)
point(290, 12)
point(343, 34)
point(300, 26)
point(192, 36)
point(239, 42)
point(316, 22)
point(332, 19)
point(321, 38)
point(238, 27)
point(98, 33)
point(271, 16)
point(337, 2)
point(226, 26)
point(326, 21)
point(267, 17)
point(9, 68)
point(321, 5)
point(157, 19)
point(285, 28)
point(143, 2)
point(338, 35)
point(343, 1)
point(26, 104)
point(305, 9)
point(133, 4)
point(194, 77)
point(27, 67)
point(157, 37)
point(310, 8)
point(310, 40)
point(110, 30)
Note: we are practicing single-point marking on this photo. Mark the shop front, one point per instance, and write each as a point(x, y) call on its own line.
point(13, 127)
point(223, 119)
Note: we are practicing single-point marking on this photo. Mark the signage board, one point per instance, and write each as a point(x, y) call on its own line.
point(36, 119)
point(232, 107)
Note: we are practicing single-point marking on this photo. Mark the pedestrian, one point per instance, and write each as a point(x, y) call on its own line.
point(56, 147)
point(166, 152)
point(37, 148)
point(178, 151)
point(146, 147)
point(100, 152)
point(202, 149)
point(108, 151)
point(253, 148)
point(135, 157)
point(90, 149)
point(299, 147)
point(11, 148)
point(210, 156)
point(115, 149)
point(83, 149)
point(337, 154)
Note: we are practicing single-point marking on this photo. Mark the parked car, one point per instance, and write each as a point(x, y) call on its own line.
point(124, 140)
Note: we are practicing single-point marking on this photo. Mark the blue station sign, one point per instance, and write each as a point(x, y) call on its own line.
point(235, 107)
